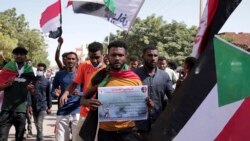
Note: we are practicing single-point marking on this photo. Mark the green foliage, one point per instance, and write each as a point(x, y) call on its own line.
point(15, 31)
point(174, 40)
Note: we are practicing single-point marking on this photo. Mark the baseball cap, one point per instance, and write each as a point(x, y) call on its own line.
point(20, 50)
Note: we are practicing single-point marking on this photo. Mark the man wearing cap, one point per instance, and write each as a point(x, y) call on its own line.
point(19, 77)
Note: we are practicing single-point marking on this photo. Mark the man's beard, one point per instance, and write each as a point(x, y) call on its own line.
point(20, 63)
point(115, 68)
point(151, 66)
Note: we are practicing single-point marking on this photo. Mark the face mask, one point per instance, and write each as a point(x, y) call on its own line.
point(99, 65)
point(39, 73)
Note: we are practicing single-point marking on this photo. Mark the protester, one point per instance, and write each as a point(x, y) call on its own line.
point(15, 94)
point(67, 114)
point(163, 65)
point(159, 86)
point(29, 115)
point(60, 65)
point(187, 67)
point(133, 62)
point(105, 60)
point(116, 74)
point(40, 102)
point(30, 63)
point(84, 73)
point(172, 65)
point(49, 74)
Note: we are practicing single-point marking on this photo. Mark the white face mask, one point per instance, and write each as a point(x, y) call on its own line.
point(39, 73)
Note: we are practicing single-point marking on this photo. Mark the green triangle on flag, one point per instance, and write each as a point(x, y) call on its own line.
point(110, 4)
point(232, 70)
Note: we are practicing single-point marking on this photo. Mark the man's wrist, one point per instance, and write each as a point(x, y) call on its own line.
point(66, 93)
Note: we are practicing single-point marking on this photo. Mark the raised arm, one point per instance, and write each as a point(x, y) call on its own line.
point(57, 55)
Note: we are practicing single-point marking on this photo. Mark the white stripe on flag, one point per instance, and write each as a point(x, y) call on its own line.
point(200, 33)
point(51, 25)
point(208, 120)
point(126, 12)
point(124, 16)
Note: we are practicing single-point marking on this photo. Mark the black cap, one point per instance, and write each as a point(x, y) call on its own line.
point(20, 50)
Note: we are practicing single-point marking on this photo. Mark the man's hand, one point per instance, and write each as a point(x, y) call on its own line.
point(91, 103)
point(150, 103)
point(58, 92)
point(29, 110)
point(60, 40)
point(91, 91)
point(63, 99)
point(48, 111)
point(31, 88)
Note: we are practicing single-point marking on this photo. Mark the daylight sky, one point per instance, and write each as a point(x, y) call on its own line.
point(82, 29)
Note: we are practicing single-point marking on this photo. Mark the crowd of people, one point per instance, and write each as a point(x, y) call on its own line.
point(28, 91)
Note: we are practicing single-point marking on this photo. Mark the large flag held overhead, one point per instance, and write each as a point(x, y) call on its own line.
point(213, 120)
point(194, 112)
point(50, 21)
point(208, 21)
point(121, 13)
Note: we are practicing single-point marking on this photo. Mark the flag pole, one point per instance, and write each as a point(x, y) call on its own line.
point(60, 14)
point(201, 9)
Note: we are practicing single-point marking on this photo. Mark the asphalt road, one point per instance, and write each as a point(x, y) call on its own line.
point(48, 128)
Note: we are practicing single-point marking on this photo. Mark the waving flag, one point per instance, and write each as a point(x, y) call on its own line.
point(9, 72)
point(208, 21)
point(6, 75)
point(121, 13)
point(51, 20)
point(194, 112)
point(232, 71)
point(213, 120)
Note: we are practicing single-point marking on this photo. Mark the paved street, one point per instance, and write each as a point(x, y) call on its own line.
point(48, 131)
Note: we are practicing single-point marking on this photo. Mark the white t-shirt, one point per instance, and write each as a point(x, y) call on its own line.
point(172, 75)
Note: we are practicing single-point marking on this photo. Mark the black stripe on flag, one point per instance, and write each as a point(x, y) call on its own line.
point(197, 85)
point(91, 8)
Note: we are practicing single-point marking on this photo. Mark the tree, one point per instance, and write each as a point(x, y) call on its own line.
point(15, 31)
point(174, 40)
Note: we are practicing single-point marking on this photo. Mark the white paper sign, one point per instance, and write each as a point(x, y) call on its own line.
point(122, 103)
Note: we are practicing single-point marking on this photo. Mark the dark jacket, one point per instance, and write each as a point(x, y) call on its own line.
point(41, 100)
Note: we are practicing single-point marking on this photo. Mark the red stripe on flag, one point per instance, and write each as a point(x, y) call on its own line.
point(124, 74)
point(69, 3)
point(7, 75)
point(50, 12)
point(212, 8)
point(237, 129)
